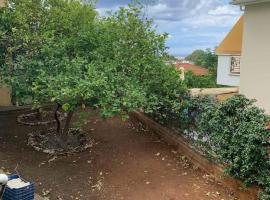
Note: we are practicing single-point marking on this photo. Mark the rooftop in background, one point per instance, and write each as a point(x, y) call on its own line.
point(247, 2)
point(200, 71)
point(232, 44)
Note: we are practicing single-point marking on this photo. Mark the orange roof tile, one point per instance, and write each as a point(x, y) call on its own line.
point(200, 71)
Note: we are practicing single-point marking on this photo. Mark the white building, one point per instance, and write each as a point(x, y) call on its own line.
point(229, 54)
point(247, 47)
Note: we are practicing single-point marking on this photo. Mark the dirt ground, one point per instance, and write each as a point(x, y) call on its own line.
point(126, 162)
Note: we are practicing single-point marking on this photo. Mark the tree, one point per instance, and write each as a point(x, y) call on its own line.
point(169, 57)
point(210, 59)
point(194, 81)
point(134, 46)
point(30, 30)
point(205, 59)
point(78, 59)
point(196, 56)
point(19, 40)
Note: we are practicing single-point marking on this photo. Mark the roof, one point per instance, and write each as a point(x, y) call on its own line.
point(232, 44)
point(200, 71)
point(248, 2)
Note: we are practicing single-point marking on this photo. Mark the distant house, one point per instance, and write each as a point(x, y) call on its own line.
point(197, 70)
point(244, 55)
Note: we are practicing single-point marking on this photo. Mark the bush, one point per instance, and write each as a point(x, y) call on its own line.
point(237, 134)
point(196, 106)
point(194, 81)
point(232, 133)
point(190, 122)
point(166, 95)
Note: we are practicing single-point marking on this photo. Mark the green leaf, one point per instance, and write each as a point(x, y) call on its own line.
point(66, 107)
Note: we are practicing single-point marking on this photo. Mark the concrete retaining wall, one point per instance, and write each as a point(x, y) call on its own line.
point(221, 94)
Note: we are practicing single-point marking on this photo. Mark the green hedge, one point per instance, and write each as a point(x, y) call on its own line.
point(232, 133)
point(237, 135)
point(195, 81)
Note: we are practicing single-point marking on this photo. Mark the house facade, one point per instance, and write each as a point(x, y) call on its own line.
point(229, 56)
point(254, 57)
point(255, 62)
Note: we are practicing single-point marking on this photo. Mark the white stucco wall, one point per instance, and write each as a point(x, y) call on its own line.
point(224, 77)
point(255, 63)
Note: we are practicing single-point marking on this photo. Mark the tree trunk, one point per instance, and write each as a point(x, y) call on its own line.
point(39, 114)
point(57, 119)
point(67, 124)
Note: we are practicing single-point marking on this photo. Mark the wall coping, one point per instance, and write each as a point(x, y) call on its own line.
point(213, 91)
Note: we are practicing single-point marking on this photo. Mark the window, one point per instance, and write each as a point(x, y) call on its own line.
point(235, 65)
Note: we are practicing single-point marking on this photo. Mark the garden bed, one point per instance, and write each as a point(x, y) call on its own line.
point(198, 159)
point(49, 141)
point(126, 162)
point(44, 118)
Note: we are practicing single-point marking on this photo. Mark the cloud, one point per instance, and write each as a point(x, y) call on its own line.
point(227, 10)
point(194, 12)
point(191, 24)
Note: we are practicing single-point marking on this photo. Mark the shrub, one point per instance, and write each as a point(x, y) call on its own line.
point(195, 107)
point(166, 95)
point(237, 135)
point(232, 133)
point(194, 81)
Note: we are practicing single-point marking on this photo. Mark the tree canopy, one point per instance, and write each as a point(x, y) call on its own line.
point(62, 51)
point(203, 58)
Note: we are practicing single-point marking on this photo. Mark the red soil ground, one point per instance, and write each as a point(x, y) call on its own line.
point(126, 163)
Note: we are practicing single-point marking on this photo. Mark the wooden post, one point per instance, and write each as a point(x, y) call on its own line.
point(5, 96)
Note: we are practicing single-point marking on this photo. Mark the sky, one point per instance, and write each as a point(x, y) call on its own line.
point(191, 24)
